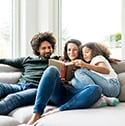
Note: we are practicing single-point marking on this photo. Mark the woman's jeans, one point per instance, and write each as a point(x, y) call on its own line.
point(16, 95)
point(110, 87)
point(65, 97)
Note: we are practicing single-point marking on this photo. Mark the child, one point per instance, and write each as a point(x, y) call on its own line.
point(95, 68)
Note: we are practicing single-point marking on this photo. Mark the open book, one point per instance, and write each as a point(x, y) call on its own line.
point(66, 68)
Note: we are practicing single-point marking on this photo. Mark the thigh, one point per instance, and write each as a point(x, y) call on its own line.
point(82, 98)
point(109, 87)
point(18, 99)
point(25, 97)
point(97, 79)
point(84, 78)
point(6, 89)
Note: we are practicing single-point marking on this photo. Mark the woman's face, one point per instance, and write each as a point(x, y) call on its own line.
point(72, 51)
point(87, 54)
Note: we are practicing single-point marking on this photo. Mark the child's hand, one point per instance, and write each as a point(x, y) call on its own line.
point(79, 63)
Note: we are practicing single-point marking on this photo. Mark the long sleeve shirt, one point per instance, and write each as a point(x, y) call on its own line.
point(32, 68)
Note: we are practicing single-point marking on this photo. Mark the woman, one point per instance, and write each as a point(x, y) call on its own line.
point(52, 89)
point(97, 70)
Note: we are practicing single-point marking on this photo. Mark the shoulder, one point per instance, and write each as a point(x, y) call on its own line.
point(97, 59)
point(29, 58)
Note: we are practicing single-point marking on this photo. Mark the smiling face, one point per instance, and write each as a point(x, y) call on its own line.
point(72, 51)
point(45, 49)
point(87, 54)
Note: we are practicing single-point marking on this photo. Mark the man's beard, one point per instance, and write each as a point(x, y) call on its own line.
point(46, 56)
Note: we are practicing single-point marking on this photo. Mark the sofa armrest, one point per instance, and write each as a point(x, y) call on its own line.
point(8, 68)
point(119, 67)
point(120, 70)
point(9, 74)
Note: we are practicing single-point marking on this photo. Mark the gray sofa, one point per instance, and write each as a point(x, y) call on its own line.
point(106, 116)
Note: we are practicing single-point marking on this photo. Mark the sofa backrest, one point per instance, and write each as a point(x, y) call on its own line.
point(119, 67)
point(9, 74)
point(120, 70)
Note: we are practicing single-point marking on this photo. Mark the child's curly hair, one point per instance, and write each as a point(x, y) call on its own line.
point(97, 49)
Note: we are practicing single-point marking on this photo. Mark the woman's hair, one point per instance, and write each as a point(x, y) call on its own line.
point(41, 37)
point(97, 49)
point(74, 41)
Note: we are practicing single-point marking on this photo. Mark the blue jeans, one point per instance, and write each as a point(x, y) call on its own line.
point(16, 95)
point(65, 97)
point(110, 87)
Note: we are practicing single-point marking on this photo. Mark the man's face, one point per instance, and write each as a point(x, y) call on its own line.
point(45, 49)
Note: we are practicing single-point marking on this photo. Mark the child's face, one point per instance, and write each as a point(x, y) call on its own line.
point(72, 51)
point(87, 54)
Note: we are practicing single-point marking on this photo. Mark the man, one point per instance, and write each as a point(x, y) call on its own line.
point(24, 92)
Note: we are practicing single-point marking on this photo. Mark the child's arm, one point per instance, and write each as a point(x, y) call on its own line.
point(114, 60)
point(99, 67)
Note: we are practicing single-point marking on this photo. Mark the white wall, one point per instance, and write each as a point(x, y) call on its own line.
point(33, 16)
point(123, 29)
point(26, 22)
point(48, 15)
point(42, 15)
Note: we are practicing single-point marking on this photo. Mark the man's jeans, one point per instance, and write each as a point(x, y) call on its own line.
point(65, 97)
point(16, 95)
point(110, 87)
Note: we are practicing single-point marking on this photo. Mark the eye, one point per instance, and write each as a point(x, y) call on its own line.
point(69, 49)
point(49, 47)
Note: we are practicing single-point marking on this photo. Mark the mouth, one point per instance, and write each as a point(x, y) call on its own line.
point(47, 54)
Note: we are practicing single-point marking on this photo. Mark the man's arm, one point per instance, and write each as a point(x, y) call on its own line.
point(16, 62)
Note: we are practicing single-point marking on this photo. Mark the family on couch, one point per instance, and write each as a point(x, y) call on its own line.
point(42, 84)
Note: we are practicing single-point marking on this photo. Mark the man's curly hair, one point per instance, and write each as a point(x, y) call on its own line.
point(41, 37)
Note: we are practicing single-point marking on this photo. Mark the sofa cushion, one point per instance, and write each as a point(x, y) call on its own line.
point(121, 78)
point(9, 74)
point(22, 114)
point(8, 68)
point(9, 77)
point(105, 116)
point(8, 121)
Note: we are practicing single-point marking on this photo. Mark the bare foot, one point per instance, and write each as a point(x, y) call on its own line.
point(36, 116)
point(33, 119)
point(50, 112)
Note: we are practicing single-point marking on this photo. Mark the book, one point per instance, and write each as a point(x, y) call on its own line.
point(66, 68)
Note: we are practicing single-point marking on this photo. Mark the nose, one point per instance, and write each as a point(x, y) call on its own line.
point(47, 49)
point(72, 51)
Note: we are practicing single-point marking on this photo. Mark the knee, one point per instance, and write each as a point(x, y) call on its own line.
point(78, 72)
point(52, 70)
point(97, 89)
